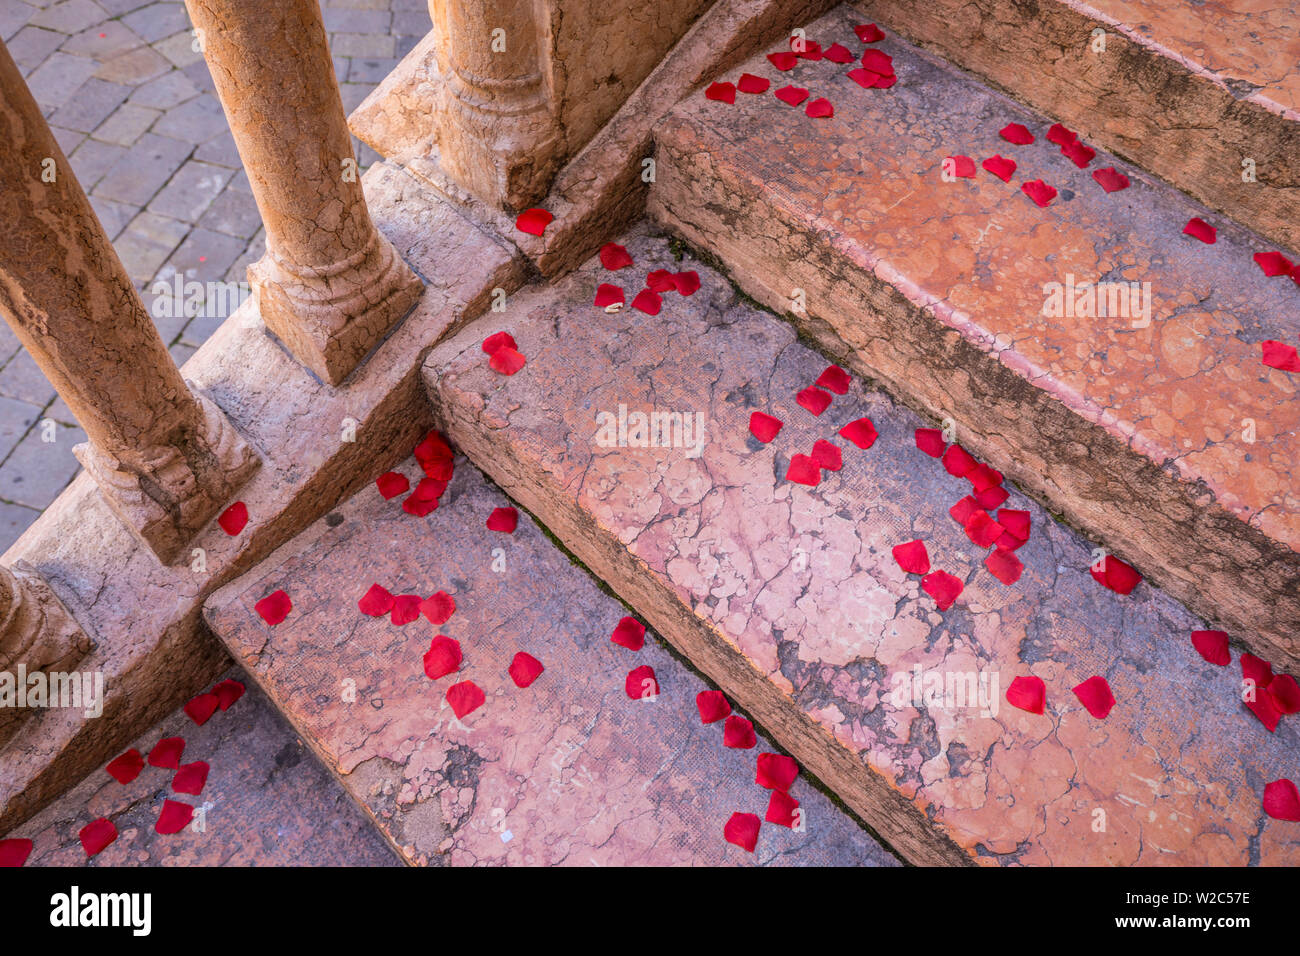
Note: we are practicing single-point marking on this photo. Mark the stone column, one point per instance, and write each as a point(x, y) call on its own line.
point(166, 458)
point(37, 634)
point(497, 134)
point(330, 286)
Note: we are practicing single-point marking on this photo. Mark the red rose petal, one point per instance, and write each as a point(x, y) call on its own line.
point(274, 608)
point(749, 83)
point(958, 462)
point(201, 708)
point(1273, 263)
point(1027, 693)
point(428, 489)
point(1015, 521)
point(1096, 697)
point(738, 733)
point(191, 778)
point(503, 519)
point(438, 607)
point(174, 818)
point(167, 753)
point(1061, 136)
point(1000, 167)
point(660, 280)
point(525, 669)
point(912, 557)
point(641, 683)
point(781, 809)
point(834, 379)
point(1120, 576)
point(963, 509)
point(607, 295)
point(864, 78)
point(861, 432)
point(1004, 565)
point(930, 441)
point(820, 108)
point(613, 257)
point(392, 483)
point(234, 518)
point(687, 283)
point(126, 767)
point(827, 456)
point(1281, 356)
point(838, 53)
point(1079, 153)
point(878, 61)
point(419, 507)
point(465, 698)
point(1010, 542)
point(869, 33)
point(805, 49)
point(228, 691)
point(1200, 229)
point(533, 221)
point(1285, 693)
point(794, 95)
point(376, 602)
point(442, 658)
point(647, 301)
point(1256, 669)
point(1212, 646)
point(962, 166)
point(943, 587)
point(14, 852)
point(991, 498)
point(885, 82)
point(983, 529)
point(1110, 179)
point(813, 399)
point(1264, 708)
point(406, 608)
point(722, 92)
point(982, 477)
point(1282, 800)
point(804, 470)
point(441, 469)
point(1016, 133)
point(1041, 193)
point(96, 835)
point(764, 427)
point(742, 830)
point(712, 705)
point(490, 345)
point(434, 447)
point(776, 771)
point(506, 360)
point(783, 61)
point(629, 633)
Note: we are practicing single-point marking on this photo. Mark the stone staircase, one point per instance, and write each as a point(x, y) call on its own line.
point(1117, 436)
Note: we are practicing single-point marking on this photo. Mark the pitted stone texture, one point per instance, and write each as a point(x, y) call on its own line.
point(790, 599)
point(565, 771)
point(318, 444)
point(1188, 90)
point(268, 802)
point(938, 290)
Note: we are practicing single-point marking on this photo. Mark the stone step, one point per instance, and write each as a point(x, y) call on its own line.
point(1205, 95)
point(566, 770)
point(788, 596)
point(266, 802)
point(1168, 440)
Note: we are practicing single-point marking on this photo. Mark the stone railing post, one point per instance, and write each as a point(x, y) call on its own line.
point(166, 458)
point(37, 634)
point(330, 286)
point(497, 132)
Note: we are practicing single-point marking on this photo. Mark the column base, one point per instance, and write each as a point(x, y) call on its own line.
point(331, 319)
point(183, 486)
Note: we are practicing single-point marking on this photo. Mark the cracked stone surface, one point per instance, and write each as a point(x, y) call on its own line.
point(566, 771)
point(789, 598)
point(1187, 89)
point(268, 802)
point(937, 289)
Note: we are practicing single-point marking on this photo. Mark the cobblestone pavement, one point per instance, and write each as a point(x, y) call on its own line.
point(132, 105)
